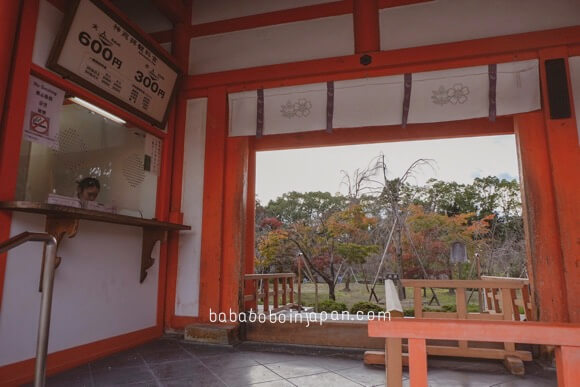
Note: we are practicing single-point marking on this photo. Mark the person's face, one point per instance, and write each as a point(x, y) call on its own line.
point(89, 193)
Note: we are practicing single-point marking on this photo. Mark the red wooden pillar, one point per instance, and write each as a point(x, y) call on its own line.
point(171, 181)
point(9, 14)
point(213, 198)
point(366, 26)
point(234, 223)
point(250, 223)
point(564, 152)
point(545, 262)
point(16, 62)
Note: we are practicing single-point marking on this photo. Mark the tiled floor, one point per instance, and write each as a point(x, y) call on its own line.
point(173, 362)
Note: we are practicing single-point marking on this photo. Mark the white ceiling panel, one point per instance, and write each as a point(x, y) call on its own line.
point(444, 21)
point(282, 43)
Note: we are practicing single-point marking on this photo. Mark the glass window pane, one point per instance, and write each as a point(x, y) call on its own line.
point(125, 161)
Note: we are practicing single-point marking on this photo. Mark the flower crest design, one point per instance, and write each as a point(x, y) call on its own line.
point(458, 93)
point(454, 95)
point(300, 108)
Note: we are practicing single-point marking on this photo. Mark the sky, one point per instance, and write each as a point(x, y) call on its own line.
point(319, 169)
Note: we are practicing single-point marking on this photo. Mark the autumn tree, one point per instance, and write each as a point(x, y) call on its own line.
point(321, 227)
point(432, 235)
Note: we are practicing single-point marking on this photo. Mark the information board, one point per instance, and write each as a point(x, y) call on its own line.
point(101, 52)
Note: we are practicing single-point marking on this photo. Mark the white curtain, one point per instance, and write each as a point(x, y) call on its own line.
point(436, 96)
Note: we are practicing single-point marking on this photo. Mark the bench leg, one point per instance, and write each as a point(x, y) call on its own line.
point(417, 363)
point(393, 362)
point(568, 366)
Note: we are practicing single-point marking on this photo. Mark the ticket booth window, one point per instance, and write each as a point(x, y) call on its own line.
point(124, 159)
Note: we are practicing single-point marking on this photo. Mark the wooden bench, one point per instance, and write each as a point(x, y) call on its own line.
point(566, 338)
point(503, 291)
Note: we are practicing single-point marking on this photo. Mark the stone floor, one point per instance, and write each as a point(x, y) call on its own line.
point(173, 362)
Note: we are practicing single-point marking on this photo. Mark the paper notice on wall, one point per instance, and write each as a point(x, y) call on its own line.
point(42, 117)
point(152, 162)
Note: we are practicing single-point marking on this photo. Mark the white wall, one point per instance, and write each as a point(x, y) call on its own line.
point(188, 268)
point(282, 43)
point(97, 294)
point(443, 21)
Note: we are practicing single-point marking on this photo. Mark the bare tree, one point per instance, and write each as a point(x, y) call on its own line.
point(395, 195)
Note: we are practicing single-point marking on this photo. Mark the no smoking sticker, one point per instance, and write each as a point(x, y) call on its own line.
point(39, 123)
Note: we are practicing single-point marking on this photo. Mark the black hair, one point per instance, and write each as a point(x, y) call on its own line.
point(88, 182)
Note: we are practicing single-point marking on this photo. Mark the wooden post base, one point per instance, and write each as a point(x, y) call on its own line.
point(514, 365)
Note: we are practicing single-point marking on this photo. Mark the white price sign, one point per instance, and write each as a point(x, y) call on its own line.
point(98, 50)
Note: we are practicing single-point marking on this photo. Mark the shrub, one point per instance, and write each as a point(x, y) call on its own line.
point(330, 306)
point(366, 307)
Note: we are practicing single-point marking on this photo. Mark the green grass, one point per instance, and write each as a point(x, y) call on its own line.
point(359, 293)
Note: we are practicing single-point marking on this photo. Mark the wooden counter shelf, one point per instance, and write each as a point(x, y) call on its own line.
point(63, 221)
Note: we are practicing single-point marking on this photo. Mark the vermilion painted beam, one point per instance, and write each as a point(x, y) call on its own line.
point(528, 332)
point(213, 197)
point(374, 134)
point(434, 57)
point(272, 18)
point(317, 11)
point(366, 26)
point(564, 152)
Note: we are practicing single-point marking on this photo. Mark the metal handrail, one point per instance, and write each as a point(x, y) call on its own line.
point(46, 301)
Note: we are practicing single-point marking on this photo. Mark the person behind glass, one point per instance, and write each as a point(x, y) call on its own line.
point(88, 189)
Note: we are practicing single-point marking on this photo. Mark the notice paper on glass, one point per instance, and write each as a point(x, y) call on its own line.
point(42, 117)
